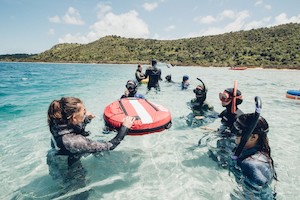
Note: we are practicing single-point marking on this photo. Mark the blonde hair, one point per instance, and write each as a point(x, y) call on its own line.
point(62, 110)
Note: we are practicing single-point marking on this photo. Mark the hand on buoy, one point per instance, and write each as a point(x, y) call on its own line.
point(128, 121)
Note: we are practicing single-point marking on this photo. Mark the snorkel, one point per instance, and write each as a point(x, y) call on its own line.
point(202, 83)
point(200, 92)
point(248, 132)
point(233, 106)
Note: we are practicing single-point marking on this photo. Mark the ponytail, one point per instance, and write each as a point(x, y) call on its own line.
point(60, 111)
point(54, 112)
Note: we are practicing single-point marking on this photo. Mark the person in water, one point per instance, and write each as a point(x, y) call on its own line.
point(131, 90)
point(154, 75)
point(139, 75)
point(201, 109)
point(169, 78)
point(230, 101)
point(254, 167)
point(67, 119)
point(185, 82)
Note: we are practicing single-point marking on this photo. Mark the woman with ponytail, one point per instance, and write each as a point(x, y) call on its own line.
point(67, 119)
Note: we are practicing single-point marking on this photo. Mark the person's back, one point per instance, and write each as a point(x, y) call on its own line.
point(154, 75)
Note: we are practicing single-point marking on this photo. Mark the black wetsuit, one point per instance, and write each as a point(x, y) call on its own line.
point(154, 75)
point(254, 172)
point(225, 140)
point(69, 143)
point(71, 140)
point(228, 118)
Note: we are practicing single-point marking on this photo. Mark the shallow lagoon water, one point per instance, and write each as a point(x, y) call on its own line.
point(165, 165)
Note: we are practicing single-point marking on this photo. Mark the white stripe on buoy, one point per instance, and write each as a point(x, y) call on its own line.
point(142, 113)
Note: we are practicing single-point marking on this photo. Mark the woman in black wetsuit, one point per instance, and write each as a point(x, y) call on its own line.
point(254, 167)
point(67, 119)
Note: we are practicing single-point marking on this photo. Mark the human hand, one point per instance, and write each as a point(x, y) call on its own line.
point(199, 117)
point(128, 121)
point(126, 93)
point(89, 115)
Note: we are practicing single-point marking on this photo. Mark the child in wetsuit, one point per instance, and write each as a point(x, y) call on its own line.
point(254, 168)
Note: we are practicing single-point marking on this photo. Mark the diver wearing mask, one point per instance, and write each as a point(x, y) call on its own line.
point(199, 105)
point(131, 90)
point(230, 99)
point(203, 112)
point(253, 166)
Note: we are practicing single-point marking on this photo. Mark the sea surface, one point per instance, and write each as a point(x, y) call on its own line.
point(165, 165)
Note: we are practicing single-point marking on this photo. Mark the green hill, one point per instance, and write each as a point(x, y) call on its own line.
point(275, 47)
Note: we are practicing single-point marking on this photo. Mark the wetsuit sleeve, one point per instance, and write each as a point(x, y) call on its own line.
point(119, 137)
point(78, 144)
point(257, 173)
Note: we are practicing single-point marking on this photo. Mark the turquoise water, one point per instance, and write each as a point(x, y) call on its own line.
point(165, 165)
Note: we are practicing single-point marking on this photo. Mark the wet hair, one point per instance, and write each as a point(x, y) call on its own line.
point(154, 63)
point(261, 129)
point(168, 77)
point(60, 111)
point(239, 96)
point(185, 78)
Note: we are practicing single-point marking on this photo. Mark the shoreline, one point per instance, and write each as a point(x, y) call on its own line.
point(145, 63)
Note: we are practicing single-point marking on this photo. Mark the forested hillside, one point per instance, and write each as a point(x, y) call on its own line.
point(276, 47)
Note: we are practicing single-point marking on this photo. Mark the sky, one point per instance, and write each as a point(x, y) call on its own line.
point(34, 26)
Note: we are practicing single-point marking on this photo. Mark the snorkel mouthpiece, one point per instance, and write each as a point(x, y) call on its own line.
point(248, 132)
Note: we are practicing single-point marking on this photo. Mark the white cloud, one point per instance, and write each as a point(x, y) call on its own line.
point(51, 31)
point(258, 24)
point(227, 14)
point(259, 2)
point(72, 17)
point(283, 19)
point(103, 9)
point(125, 25)
point(69, 38)
point(206, 20)
point(150, 6)
point(236, 25)
point(55, 19)
point(268, 7)
point(169, 28)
